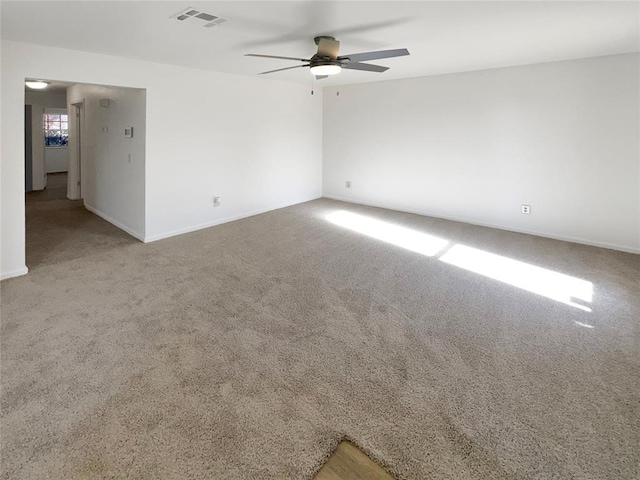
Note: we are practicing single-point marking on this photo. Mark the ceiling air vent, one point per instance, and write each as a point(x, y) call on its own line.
point(196, 17)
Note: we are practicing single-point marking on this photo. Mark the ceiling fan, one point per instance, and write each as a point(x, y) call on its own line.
point(327, 62)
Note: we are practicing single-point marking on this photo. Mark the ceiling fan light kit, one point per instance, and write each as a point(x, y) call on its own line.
point(325, 69)
point(327, 62)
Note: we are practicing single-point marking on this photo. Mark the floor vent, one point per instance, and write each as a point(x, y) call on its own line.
point(196, 17)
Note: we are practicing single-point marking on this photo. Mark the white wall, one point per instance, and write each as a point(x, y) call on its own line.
point(255, 142)
point(113, 166)
point(45, 160)
point(56, 159)
point(48, 99)
point(562, 137)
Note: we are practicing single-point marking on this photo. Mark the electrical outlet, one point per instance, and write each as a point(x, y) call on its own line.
point(526, 209)
point(348, 184)
point(216, 201)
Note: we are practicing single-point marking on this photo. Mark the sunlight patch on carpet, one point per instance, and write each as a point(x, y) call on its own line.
point(406, 238)
point(557, 286)
point(583, 324)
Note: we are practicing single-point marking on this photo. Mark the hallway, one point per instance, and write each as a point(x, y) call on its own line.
point(58, 229)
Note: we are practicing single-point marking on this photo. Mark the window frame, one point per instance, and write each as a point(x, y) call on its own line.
point(46, 123)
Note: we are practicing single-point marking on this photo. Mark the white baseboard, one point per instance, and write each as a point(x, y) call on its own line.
point(14, 273)
point(114, 222)
point(582, 241)
point(213, 223)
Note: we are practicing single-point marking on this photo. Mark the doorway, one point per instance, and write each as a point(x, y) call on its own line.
point(97, 203)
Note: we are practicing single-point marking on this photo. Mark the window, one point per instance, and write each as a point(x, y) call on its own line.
point(56, 129)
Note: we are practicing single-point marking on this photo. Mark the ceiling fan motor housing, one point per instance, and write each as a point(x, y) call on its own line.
point(320, 37)
point(316, 62)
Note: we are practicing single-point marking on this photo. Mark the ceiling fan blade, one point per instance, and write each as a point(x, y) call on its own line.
point(320, 77)
point(281, 69)
point(276, 56)
point(328, 48)
point(367, 67)
point(366, 56)
point(302, 21)
point(368, 27)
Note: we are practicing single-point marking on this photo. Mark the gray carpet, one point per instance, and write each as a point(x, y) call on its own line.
point(249, 350)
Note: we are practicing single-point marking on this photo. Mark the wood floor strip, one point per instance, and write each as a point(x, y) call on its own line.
point(347, 462)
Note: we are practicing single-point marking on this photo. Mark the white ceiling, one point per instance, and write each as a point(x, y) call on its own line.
point(442, 37)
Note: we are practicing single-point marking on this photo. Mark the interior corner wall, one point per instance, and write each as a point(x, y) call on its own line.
point(562, 137)
point(113, 165)
point(254, 142)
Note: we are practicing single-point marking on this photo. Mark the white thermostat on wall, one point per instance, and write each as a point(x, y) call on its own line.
point(128, 132)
